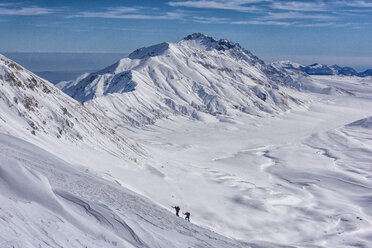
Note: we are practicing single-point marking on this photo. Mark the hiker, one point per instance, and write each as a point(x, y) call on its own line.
point(177, 208)
point(187, 216)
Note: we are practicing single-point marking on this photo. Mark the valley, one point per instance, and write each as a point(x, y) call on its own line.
point(261, 155)
point(257, 178)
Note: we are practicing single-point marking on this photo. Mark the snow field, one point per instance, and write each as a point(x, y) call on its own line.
point(301, 178)
point(45, 202)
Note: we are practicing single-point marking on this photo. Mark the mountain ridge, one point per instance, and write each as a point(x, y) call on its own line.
point(195, 76)
point(323, 69)
point(35, 110)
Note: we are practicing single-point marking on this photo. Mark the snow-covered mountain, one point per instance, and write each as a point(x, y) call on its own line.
point(366, 73)
point(46, 201)
point(35, 110)
point(321, 69)
point(302, 81)
point(194, 76)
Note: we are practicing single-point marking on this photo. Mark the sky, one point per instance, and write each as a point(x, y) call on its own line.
point(336, 31)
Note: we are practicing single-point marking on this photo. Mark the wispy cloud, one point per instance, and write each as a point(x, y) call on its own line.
point(257, 22)
point(237, 5)
point(357, 4)
point(332, 24)
point(297, 15)
point(216, 20)
point(108, 13)
point(211, 20)
point(24, 11)
point(254, 5)
point(6, 4)
point(300, 6)
point(130, 13)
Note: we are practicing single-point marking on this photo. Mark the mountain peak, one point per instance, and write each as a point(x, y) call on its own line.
point(150, 51)
point(199, 36)
point(204, 42)
point(211, 43)
point(196, 76)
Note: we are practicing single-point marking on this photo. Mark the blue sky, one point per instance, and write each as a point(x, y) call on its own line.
point(304, 31)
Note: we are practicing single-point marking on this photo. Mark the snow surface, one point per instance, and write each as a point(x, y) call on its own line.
point(45, 202)
point(302, 178)
point(286, 179)
point(299, 177)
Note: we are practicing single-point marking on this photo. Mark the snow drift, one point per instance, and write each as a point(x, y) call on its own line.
point(45, 202)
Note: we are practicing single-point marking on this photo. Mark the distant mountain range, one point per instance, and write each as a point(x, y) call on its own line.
point(323, 69)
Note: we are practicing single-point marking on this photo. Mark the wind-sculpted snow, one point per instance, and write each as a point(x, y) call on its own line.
point(193, 76)
point(363, 123)
point(47, 203)
point(35, 110)
point(300, 179)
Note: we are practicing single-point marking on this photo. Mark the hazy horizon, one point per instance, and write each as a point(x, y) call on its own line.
point(332, 32)
point(60, 66)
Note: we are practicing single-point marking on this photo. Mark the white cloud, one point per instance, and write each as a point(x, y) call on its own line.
point(297, 15)
point(211, 20)
point(25, 11)
point(216, 20)
point(357, 4)
point(237, 5)
point(5, 4)
point(129, 13)
point(256, 22)
point(333, 24)
point(300, 6)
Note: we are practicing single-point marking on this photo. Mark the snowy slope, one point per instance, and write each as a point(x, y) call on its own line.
point(193, 77)
point(299, 179)
point(34, 110)
point(45, 202)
